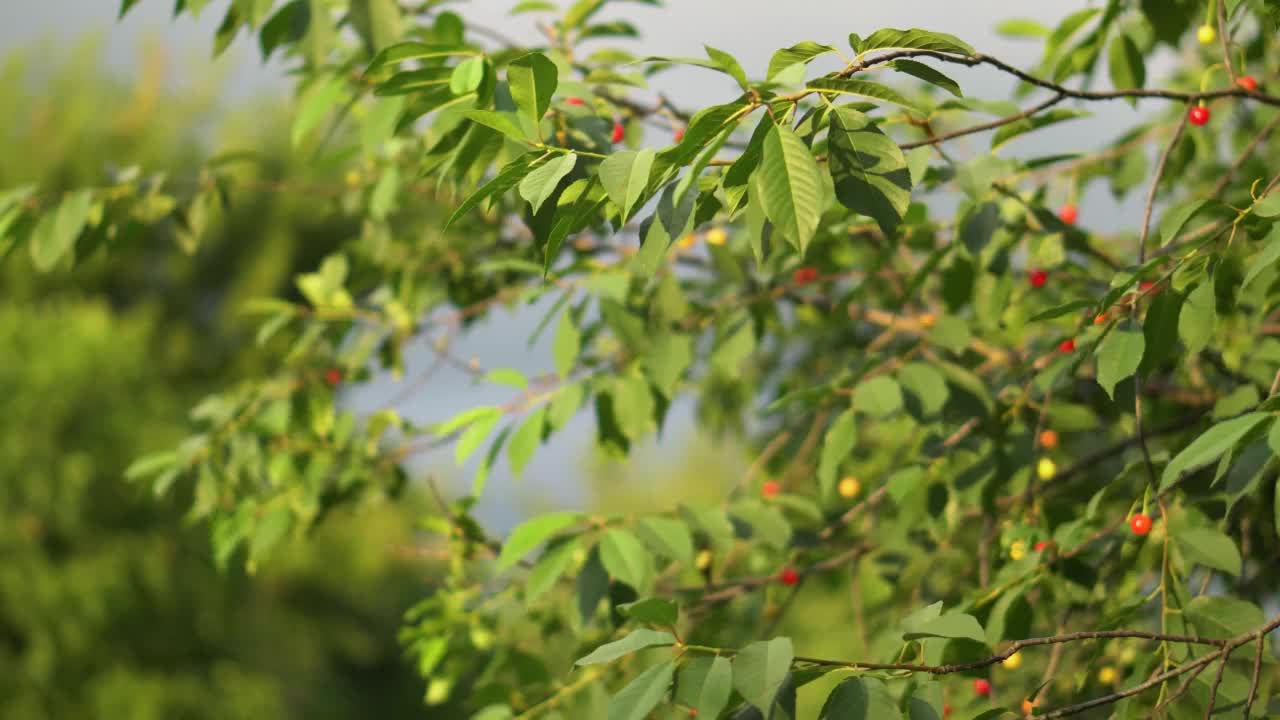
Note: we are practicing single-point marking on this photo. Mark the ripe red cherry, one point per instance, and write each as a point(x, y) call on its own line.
point(1140, 524)
point(1038, 278)
point(946, 710)
point(333, 376)
point(982, 686)
point(619, 132)
point(770, 488)
point(789, 577)
point(678, 135)
point(575, 100)
point(1068, 214)
point(1248, 83)
point(1042, 545)
point(1199, 115)
point(1067, 346)
point(805, 275)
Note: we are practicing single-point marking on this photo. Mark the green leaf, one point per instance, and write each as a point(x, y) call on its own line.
point(1160, 329)
point(667, 359)
point(928, 74)
point(415, 81)
point(468, 75)
point(633, 405)
point(668, 537)
point(836, 446)
point(530, 534)
point(949, 625)
point(1210, 446)
point(915, 39)
point(878, 397)
point(549, 569)
point(651, 611)
point(525, 440)
point(1059, 311)
point(1198, 318)
point(580, 12)
point(152, 464)
point(1119, 358)
point(927, 384)
point(868, 169)
point(507, 178)
point(471, 438)
point(1209, 547)
point(643, 694)
point(1125, 62)
point(502, 122)
point(714, 688)
point(270, 530)
point(315, 103)
point(803, 52)
point(760, 669)
point(863, 88)
point(791, 187)
point(1022, 28)
point(538, 185)
point(507, 376)
point(624, 176)
point(730, 65)
point(377, 21)
point(56, 232)
point(625, 558)
point(406, 51)
point(566, 345)
point(533, 81)
point(1223, 617)
point(636, 640)
point(860, 699)
point(1269, 256)
point(1176, 217)
point(768, 524)
point(1268, 207)
point(1035, 122)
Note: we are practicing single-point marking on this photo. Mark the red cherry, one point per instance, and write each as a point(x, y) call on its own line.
point(804, 275)
point(693, 712)
point(1140, 524)
point(619, 132)
point(770, 488)
point(1248, 83)
point(1067, 346)
point(575, 100)
point(1038, 278)
point(1199, 115)
point(946, 710)
point(1068, 214)
point(789, 577)
point(982, 686)
point(678, 135)
point(333, 376)
point(1042, 545)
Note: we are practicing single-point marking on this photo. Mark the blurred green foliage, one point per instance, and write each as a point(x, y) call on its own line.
point(110, 604)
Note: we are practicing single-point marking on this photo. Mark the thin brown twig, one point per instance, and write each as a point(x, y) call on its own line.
point(1142, 258)
point(1224, 37)
point(1222, 668)
point(936, 139)
point(1257, 675)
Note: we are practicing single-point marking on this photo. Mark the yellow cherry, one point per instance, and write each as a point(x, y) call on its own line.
point(703, 560)
point(353, 178)
point(849, 487)
point(1013, 662)
point(1206, 34)
point(1046, 469)
point(687, 241)
point(1107, 675)
point(717, 236)
point(1017, 551)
